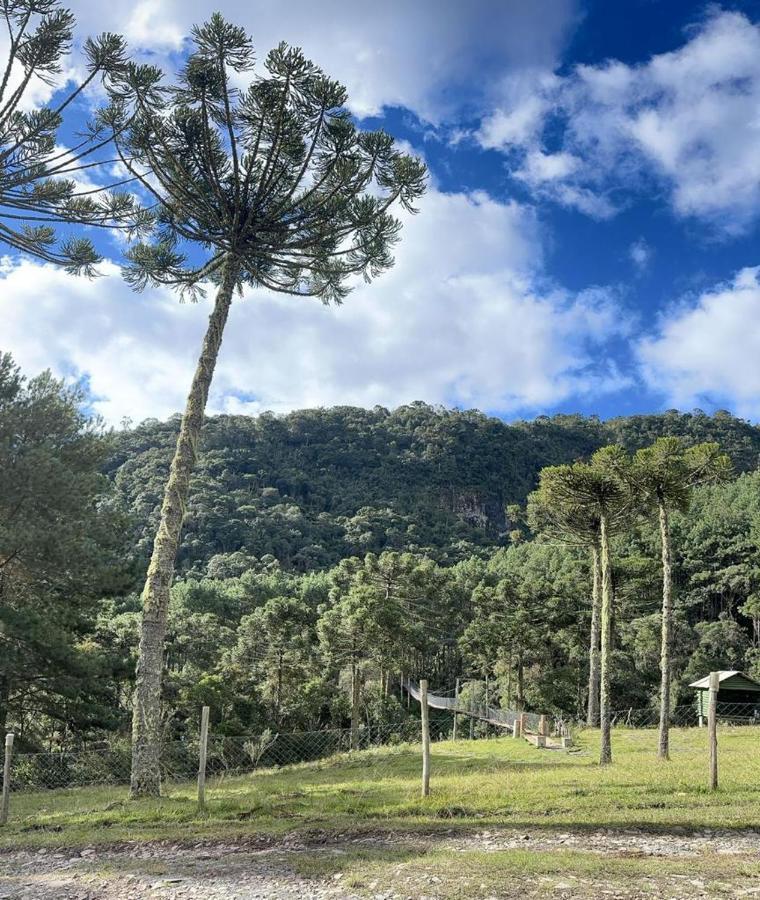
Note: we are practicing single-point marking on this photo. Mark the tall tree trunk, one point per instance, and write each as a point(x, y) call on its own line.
point(354, 705)
point(663, 749)
point(146, 711)
point(592, 715)
point(5, 696)
point(278, 706)
point(605, 755)
point(520, 701)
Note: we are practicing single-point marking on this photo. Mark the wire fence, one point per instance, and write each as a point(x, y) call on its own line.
point(227, 755)
point(378, 755)
point(687, 716)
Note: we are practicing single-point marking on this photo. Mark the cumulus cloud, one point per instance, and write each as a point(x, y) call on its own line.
point(464, 318)
point(706, 352)
point(427, 56)
point(688, 119)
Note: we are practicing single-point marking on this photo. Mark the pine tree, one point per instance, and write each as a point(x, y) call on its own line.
point(272, 186)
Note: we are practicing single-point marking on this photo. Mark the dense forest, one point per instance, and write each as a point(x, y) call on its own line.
point(315, 486)
point(327, 552)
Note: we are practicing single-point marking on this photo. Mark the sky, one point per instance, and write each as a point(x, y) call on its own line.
point(590, 239)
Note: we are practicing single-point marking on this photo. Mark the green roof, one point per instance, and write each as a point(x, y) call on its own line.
point(729, 680)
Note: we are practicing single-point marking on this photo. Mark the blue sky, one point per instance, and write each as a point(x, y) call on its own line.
point(589, 241)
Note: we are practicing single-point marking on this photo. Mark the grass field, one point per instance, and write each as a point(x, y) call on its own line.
point(498, 782)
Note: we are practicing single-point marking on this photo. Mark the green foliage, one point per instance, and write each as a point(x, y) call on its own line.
point(60, 536)
point(327, 539)
point(275, 176)
point(38, 186)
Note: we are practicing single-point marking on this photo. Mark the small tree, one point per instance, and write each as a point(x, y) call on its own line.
point(597, 489)
point(38, 178)
point(664, 476)
point(272, 186)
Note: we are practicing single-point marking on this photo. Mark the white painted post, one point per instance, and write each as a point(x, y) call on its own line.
point(6, 798)
point(203, 752)
point(516, 728)
point(456, 704)
point(712, 728)
point(425, 716)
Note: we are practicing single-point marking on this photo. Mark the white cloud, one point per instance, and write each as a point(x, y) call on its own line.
point(706, 352)
point(641, 254)
point(689, 118)
point(463, 318)
point(427, 56)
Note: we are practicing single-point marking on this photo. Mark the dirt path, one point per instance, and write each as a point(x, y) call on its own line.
point(245, 871)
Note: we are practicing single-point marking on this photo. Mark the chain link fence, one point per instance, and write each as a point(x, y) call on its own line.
point(364, 763)
point(688, 716)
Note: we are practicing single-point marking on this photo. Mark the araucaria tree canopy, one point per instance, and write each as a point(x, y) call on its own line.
point(271, 186)
point(44, 185)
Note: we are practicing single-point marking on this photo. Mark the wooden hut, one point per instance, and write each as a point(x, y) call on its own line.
point(738, 694)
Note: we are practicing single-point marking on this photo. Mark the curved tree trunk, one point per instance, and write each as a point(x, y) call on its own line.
point(146, 711)
point(605, 755)
point(663, 749)
point(592, 716)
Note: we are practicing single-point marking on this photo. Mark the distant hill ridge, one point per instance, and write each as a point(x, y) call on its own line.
point(314, 486)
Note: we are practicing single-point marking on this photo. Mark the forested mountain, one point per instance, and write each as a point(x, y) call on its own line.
point(314, 486)
point(331, 547)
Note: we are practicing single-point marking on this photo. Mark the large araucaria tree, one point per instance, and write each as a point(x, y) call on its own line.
point(664, 476)
point(558, 514)
point(597, 491)
point(269, 185)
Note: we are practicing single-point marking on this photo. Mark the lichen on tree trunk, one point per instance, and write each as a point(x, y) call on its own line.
point(592, 715)
point(663, 748)
point(146, 711)
point(605, 753)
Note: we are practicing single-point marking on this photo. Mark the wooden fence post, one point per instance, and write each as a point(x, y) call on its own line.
point(203, 752)
point(456, 704)
point(516, 728)
point(425, 716)
point(6, 799)
point(712, 728)
point(541, 734)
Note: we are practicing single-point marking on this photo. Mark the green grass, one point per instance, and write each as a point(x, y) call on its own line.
point(499, 782)
point(519, 873)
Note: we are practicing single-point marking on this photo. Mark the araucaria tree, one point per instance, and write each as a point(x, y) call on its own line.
point(40, 181)
point(663, 476)
point(597, 490)
point(557, 514)
point(270, 186)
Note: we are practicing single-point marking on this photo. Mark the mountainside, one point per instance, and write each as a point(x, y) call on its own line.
point(317, 485)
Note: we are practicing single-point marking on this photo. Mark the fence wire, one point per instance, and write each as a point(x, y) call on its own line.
point(379, 767)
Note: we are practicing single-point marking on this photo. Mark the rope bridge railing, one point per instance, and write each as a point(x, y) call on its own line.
point(502, 718)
